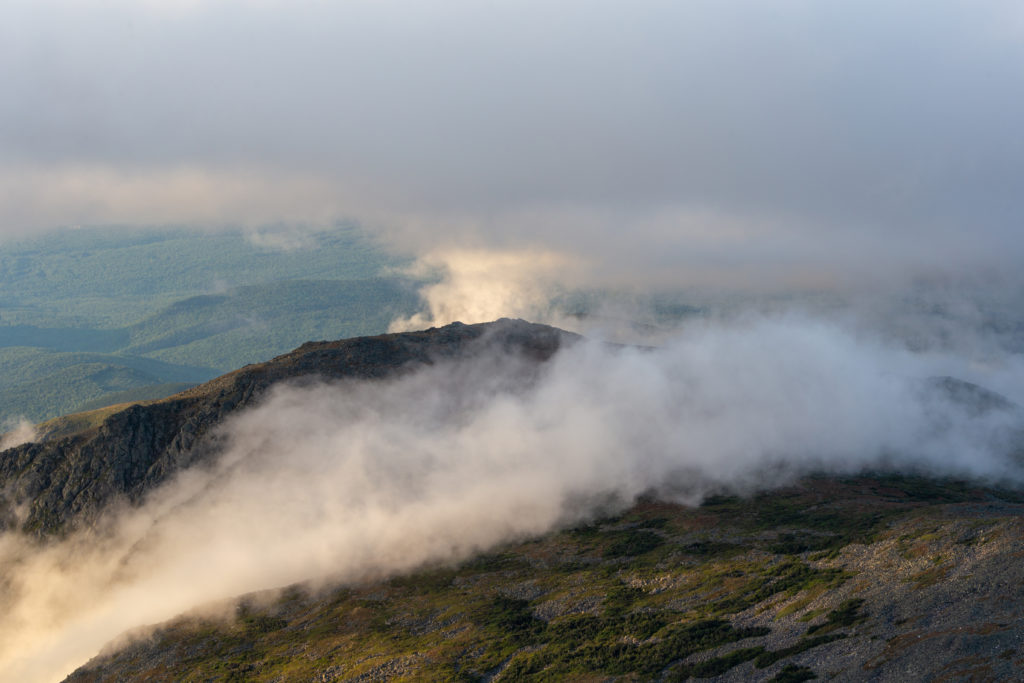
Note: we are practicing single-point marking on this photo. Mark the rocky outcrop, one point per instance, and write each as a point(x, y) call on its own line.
point(48, 488)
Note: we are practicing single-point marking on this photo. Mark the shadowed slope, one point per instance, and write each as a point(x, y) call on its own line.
point(67, 481)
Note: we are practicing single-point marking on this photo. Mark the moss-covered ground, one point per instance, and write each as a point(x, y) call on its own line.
point(660, 592)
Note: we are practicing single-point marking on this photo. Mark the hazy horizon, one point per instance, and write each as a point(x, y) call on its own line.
point(658, 143)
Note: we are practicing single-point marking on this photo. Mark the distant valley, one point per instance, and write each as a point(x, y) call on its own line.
point(95, 317)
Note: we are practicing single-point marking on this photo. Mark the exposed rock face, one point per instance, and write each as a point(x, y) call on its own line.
point(66, 482)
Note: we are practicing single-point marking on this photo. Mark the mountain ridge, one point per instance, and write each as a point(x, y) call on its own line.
point(72, 478)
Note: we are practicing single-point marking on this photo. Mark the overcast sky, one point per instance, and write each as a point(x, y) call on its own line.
point(655, 137)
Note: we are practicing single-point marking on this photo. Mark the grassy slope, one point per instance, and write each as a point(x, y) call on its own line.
point(39, 384)
point(829, 578)
point(66, 425)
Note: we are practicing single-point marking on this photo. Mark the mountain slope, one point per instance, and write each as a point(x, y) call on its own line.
point(69, 480)
point(884, 578)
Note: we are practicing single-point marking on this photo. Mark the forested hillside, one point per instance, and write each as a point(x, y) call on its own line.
point(92, 317)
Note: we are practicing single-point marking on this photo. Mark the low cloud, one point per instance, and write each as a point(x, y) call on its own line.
point(479, 285)
point(343, 482)
point(39, 197)
point(15, 432)
point(746, 143)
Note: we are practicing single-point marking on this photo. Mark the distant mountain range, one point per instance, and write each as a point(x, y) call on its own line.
point(100, 316)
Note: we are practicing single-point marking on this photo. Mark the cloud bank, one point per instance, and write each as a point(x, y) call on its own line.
point(349, 481)
point(697, 142)
point(14, 432)
point(478, 285)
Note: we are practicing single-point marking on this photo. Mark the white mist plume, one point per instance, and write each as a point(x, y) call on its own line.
point(16, 432)
point(477, 285)
point(354, 480)
point(482, 284)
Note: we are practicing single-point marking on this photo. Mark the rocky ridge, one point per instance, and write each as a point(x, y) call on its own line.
point(51, 486)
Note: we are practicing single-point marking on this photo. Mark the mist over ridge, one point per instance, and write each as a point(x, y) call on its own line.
point(341, 481)
point(660, 143)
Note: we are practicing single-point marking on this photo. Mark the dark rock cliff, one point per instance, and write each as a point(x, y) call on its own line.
point(59, 484)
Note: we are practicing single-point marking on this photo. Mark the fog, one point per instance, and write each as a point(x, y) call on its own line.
point(354, 481)
point(479, 285)
point(686, 142)
point(14, 432)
